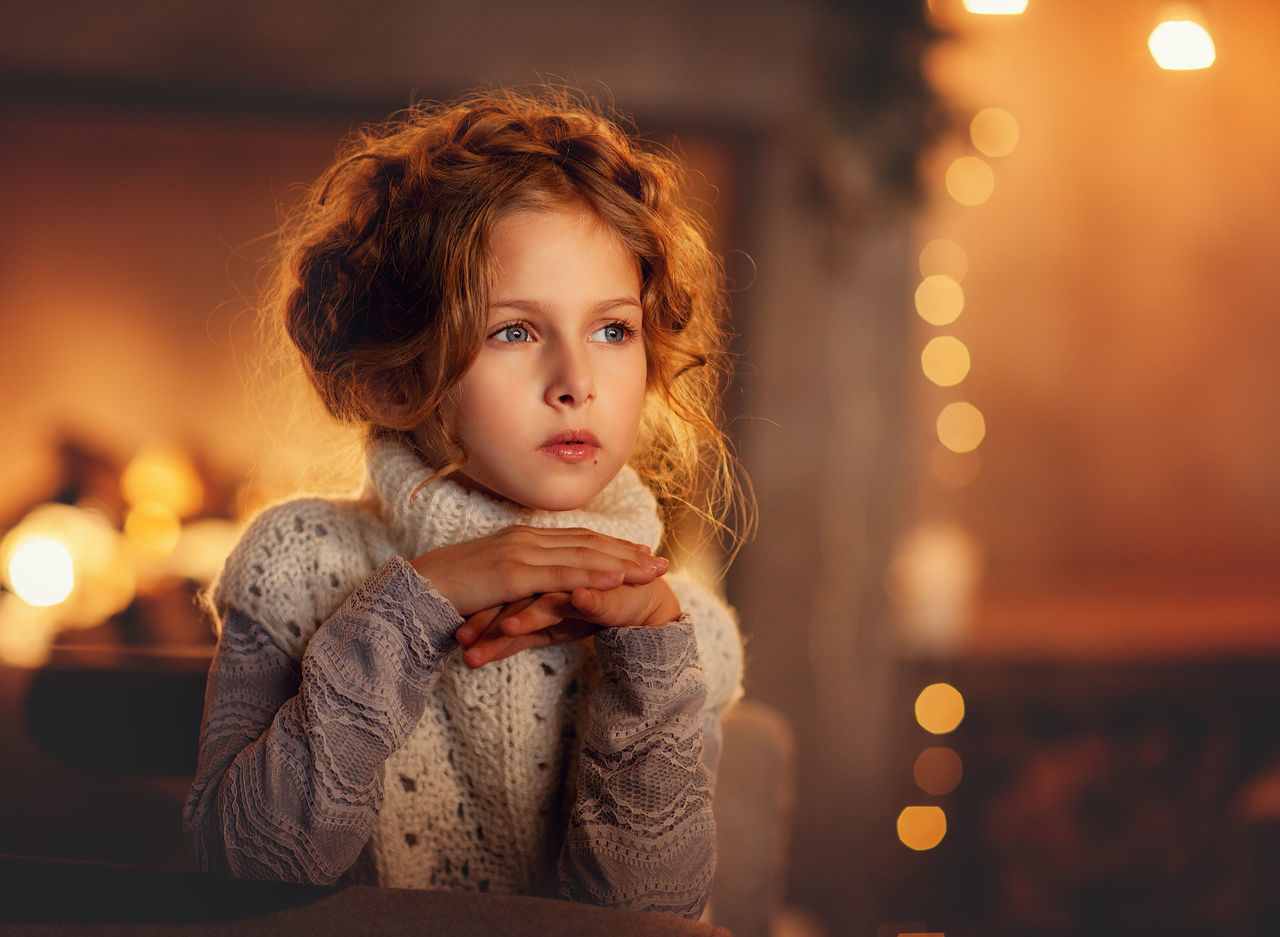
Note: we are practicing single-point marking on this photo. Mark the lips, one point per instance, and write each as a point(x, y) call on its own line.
point(572, 445)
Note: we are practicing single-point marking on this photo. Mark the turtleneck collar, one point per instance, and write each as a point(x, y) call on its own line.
point(443, 512)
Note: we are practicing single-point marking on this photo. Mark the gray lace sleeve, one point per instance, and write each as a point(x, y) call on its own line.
point(641, 834)
point(289, 777)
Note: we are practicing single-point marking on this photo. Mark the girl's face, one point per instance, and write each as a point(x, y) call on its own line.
point(549, 410)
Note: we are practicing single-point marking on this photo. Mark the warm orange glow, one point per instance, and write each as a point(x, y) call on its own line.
point(944, 256)
point(40, 571)
point(164, 475)
point(937, 771)
point(153, 527)
point(996, 7)
point(945, 360)
point(970, 181)
point(203, 548)
point(939, 299)
point(921, 828)
point(961, 427)
point(994, 131)
point(1181, 44)
point(939, 708)
point(27, 632)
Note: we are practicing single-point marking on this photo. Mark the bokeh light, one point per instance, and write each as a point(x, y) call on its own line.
point(153, 527)
point(945, 360)
point(938, 770)
point(970, 181)
point(996, 7)
point(1181, 45)
point(939, 708)
point(961, 427)
point(939, 299)
point(922, 827)
point(163, 475)
point(944, 256)
point(994, 131)
point(40, 571)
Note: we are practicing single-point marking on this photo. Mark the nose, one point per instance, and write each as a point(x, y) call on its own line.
point(571, 378)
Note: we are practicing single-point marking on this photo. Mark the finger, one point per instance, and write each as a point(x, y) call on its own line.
point(543, 612)
point(575, 537)
point(476, 625)
point(497, 647)
point(636, 567)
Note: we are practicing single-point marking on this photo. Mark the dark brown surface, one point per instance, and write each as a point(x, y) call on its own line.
point(81, 898)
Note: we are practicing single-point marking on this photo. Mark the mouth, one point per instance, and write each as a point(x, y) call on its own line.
point(572, 445)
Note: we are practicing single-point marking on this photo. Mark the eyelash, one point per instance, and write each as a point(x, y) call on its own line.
point(628, 330)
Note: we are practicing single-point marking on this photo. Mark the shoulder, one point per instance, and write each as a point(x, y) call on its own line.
point(294, 565)
point(715, 626)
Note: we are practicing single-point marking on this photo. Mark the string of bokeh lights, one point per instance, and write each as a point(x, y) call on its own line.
point(1179, 42)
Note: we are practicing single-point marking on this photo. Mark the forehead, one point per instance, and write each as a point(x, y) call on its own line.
point(565, 247)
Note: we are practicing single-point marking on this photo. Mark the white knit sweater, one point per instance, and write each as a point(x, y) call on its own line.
point(477, 793)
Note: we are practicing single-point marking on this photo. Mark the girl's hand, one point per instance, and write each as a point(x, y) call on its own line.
point(561, 617)
point(519, 562)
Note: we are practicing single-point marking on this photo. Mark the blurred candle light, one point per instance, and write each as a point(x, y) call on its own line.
point(945, 360)
point(970, 181)
point(939, 299)
point(40, 571)
point(921, 828)
point(996, 7)
point(165, 475)
point(944, 256)
point(961, 427)
point(1180, 43)
point(939, 708)
point(994, 131)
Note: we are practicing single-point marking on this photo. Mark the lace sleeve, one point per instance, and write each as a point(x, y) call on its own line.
point(641, 834)
point(289, 777)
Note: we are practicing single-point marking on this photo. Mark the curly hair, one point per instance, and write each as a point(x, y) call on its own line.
point(386, 273)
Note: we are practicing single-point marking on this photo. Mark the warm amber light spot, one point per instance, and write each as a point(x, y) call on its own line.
point(970, 181)
point(938, 770)
point(961, 427)
point(939, 299)
point(921, 828)
point(939, 708)
point(945, 360)
point(165, 475)
point(154, 527)
point(1181, 45)
point(996, 7)
point(945, 256)
point(994, 131)
point(40, 571)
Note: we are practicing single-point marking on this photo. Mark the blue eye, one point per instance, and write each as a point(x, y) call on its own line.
point(513, 333)
point(615, 333)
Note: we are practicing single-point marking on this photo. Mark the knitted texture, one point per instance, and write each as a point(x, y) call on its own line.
point(447, 777)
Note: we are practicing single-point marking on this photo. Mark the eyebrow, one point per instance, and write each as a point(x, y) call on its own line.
point(533, 307)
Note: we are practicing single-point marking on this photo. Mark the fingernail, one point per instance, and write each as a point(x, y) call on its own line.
point(659, 564)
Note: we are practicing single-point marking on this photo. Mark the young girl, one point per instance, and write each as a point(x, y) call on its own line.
point(510, 297)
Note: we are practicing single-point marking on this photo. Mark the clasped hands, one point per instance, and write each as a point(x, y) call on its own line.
point(526, 587)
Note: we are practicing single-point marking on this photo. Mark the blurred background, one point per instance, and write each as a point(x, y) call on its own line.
point(1006, 306)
